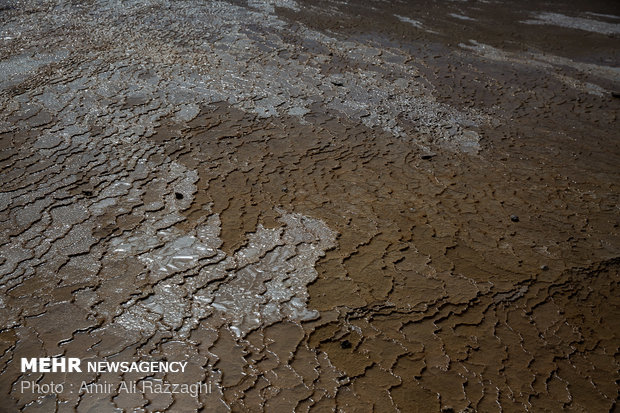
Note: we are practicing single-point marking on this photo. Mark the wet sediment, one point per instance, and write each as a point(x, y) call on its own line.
point(320, 207)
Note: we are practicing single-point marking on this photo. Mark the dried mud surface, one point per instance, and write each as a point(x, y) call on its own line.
point(321, 206)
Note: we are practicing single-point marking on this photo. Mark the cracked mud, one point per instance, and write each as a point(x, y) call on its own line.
point(320, 206)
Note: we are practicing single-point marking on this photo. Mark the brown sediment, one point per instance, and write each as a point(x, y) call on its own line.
point(436, 290)
point(348, 216)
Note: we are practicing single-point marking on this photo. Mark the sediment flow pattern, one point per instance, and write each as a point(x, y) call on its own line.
point(321, 206)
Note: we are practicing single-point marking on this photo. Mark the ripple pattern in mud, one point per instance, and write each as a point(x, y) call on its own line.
point(311, 217)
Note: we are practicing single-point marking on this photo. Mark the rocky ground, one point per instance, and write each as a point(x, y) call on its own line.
point(320, 205)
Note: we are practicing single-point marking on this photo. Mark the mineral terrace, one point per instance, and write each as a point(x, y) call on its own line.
point(320, 206)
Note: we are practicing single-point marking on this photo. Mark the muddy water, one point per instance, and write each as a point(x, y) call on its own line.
point(319, 206)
